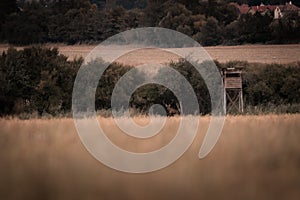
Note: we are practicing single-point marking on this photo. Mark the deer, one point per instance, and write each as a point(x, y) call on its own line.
point(172, 111)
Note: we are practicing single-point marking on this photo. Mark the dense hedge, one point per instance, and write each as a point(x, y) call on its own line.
point(40, 80)
point(273, 88)
point(82, 21)
point(36, 79)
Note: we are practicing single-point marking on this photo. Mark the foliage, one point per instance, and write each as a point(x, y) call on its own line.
point(36, 79)
point(40, 80)
point(208, 22)
point(272, 84)
point(210, 34)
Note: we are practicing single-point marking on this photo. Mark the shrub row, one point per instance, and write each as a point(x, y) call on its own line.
point(40, 80)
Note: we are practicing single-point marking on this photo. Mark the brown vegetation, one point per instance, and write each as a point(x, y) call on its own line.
point(250, 53)
point(257, 157)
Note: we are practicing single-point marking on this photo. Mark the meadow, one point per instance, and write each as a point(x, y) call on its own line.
point(257, 157)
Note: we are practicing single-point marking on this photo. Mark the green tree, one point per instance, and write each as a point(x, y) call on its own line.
point(28, 27)
point(286, 29)
point(153, 13)
point(211, 33)
point(178, 18)
point(36, 79)
point(7, 7)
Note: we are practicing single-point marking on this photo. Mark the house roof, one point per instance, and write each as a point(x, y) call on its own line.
point(263, 8)
point(244, 8)
point(290, 7)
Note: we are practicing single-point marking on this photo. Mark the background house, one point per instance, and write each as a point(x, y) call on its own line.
point(277, 10)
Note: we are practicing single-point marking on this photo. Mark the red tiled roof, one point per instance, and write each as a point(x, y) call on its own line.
point(271, 7)
point(263, 8)
point(244, 8)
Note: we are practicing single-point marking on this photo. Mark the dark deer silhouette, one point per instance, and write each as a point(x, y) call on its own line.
point(172, 111)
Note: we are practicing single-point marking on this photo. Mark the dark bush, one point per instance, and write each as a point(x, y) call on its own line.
point(40, 80)
point(36, 79)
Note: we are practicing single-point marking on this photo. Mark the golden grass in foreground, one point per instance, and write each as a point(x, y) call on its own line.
point(257, 157)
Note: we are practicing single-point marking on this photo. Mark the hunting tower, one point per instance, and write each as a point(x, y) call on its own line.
point(233, 93)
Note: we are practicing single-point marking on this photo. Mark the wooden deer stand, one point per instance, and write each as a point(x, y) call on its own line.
point(233, 93)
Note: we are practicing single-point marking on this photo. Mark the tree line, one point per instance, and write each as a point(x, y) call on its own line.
point(83, 21)
point(40, 80)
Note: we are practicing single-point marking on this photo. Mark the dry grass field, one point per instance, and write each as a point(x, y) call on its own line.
point(257, 157)
point(251, 53)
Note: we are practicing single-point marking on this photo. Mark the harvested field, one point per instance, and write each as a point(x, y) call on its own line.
point(251, 53)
